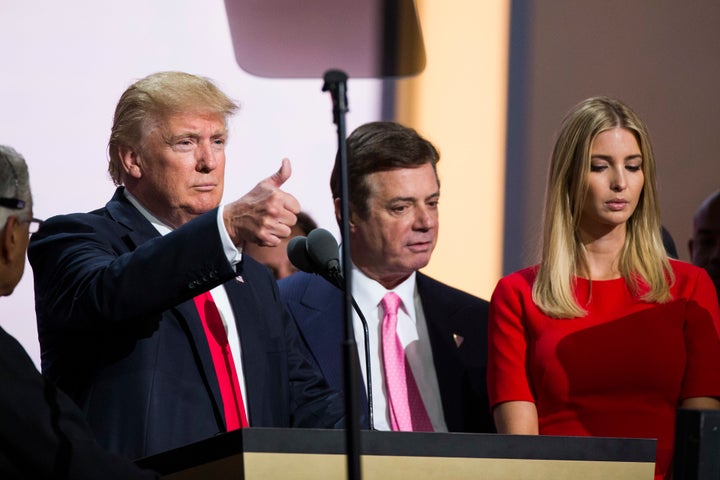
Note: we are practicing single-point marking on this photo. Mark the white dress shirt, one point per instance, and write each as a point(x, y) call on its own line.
point(413, 334)
point(218, 293)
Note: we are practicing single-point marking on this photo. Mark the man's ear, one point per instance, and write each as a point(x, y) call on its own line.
point(130, 160)
point(338, 213)
point(338, 210)
point(10, 240)
point(690, 248)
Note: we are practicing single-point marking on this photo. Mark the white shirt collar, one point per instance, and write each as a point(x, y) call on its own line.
point(161, 227)
point(370, 292)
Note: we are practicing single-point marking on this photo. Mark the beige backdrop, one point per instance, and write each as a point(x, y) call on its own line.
point(459, 103)
point(660, 56)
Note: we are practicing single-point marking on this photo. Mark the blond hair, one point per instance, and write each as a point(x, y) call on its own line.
point(153, 99)
point(563, 256)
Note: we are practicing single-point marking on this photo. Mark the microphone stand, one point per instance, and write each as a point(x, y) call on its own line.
point(368, 365)
point(337, 280)
point(335, 81)
point(320, 256)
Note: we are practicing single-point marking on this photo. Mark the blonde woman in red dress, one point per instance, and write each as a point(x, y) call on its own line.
point(607, 336)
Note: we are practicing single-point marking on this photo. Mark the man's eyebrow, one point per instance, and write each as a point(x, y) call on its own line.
point(401, 199)
point(195, 135)
point(434, 195)
point(412, 199)
point(178, 136)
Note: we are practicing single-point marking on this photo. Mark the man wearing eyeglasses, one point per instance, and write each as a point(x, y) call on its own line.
point(17, 204)
point(42, 432)
point(149, 315)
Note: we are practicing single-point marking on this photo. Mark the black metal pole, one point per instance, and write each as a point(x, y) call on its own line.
point(336, 84)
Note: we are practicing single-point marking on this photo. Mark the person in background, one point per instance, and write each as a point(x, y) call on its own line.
point(607, 336)
point(149, 315)
point(276, 258)
point(668, 243)
point(42, 432)
point(704, 245)
point(428, 341)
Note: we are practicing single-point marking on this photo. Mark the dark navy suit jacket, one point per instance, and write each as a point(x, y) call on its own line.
point(119, 331)
point(42, 432)
point(317, 307)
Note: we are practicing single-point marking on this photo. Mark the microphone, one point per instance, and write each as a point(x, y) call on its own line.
point(298, 254)
point(318, 253)
point(323, 250)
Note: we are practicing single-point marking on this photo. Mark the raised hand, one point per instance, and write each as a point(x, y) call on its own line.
point(265, 214)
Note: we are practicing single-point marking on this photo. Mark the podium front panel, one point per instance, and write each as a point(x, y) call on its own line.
point(258, 453)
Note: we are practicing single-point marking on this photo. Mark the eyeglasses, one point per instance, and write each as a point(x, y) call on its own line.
point(34, 224)
point(14, 203)
point(17, 204)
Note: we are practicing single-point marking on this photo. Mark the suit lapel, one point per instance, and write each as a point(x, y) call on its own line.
point(441, 327)
point(189, 315)
point(319, 318)
point(250, 330)
point(140, 230)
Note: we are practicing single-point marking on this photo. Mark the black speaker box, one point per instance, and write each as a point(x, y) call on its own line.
point(697, 445)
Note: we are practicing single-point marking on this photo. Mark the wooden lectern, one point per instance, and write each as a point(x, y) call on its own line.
point(267, 453)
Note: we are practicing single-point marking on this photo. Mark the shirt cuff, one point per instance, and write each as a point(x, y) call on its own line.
point(233, 254)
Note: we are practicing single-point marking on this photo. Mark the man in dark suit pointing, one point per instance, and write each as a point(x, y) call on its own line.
point(428, 341)
point(149, 315)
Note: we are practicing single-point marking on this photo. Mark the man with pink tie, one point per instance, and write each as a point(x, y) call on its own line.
point(427, 340)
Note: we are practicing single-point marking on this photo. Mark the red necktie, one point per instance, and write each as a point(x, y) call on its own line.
point(407, 410)
point(223, 360)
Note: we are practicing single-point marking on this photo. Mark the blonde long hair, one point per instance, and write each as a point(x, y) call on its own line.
point(563, 256)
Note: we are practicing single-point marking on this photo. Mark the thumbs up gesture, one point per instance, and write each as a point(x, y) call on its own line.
point(265, 214)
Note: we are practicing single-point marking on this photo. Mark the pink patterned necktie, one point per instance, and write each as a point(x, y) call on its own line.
point(407, 411)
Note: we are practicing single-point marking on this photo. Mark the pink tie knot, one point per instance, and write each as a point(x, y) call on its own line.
point(390, 303)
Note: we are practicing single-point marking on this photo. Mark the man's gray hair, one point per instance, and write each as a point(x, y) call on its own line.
point(14, 184)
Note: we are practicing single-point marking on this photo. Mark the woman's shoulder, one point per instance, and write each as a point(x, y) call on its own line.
point(688, 275)
point(525, 277)
point(685, 269)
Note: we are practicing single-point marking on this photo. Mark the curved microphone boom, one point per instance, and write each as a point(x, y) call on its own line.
point(318, 253)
